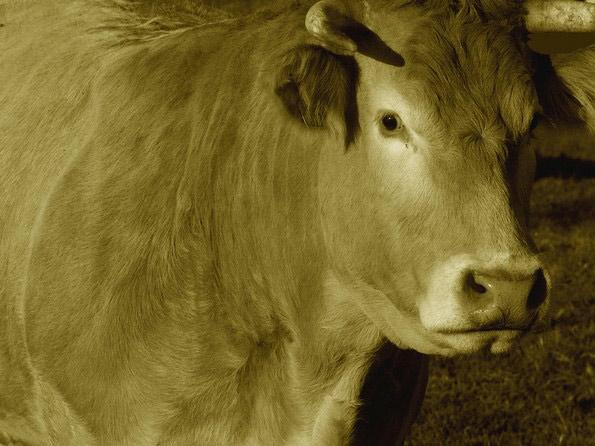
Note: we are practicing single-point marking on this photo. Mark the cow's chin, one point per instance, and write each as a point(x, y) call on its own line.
point(452, 344)
point(430, 342)
point(445, 336)
point(494, 341)
point(405, 329)
point(431, 328)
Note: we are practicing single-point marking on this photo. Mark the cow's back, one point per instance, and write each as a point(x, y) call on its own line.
point(44, 92)
point(43, 95)
point(55, 58)
point(78, 192)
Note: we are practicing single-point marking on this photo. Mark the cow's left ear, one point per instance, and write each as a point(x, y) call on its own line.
point(319, 79)
point(315, 83)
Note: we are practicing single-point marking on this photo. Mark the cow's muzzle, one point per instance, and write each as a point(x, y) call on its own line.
point(506, 301)
point(507, 293)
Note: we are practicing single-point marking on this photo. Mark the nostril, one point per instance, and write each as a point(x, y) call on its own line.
point(538, 292)
point(474, 285)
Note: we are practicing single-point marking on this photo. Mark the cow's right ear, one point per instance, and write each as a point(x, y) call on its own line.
point(566, 87)
point(319, 79)
point(576, 70)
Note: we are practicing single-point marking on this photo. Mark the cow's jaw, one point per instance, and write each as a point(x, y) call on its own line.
point(431, 329)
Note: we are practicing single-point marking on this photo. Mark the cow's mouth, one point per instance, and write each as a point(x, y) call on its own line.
point(500, 326)
point(495, 337)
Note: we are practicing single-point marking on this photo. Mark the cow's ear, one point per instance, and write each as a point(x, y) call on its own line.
point(566, 87)
point(315, 83)
point(319, 80)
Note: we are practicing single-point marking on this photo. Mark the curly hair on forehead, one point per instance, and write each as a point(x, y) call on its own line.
point(485, 10)
point(472, 72)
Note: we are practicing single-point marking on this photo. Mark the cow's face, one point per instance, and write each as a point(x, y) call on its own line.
point(445, 150)
point(425, 212)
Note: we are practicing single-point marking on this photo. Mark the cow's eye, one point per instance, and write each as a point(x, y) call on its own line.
point(391, 123)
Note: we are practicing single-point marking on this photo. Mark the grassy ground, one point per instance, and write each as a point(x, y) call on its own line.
point(543, 392)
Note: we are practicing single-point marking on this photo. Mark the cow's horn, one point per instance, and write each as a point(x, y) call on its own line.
point(326, 20)
point(560, 16)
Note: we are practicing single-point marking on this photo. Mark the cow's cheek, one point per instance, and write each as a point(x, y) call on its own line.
point(375, 203)
point(347, 208)
point(403, 202)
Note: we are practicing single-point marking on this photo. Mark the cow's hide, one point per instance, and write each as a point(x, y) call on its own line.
point(164, 278)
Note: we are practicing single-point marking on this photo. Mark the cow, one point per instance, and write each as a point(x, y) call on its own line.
point(220, 230)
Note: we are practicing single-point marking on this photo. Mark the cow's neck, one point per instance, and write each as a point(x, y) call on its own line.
point(330, 363)
point(276, 309)
point(324, 347)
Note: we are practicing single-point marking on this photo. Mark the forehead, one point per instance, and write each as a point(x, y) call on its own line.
point(469, 75)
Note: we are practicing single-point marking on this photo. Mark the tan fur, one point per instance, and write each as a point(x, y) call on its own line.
point(149, 172)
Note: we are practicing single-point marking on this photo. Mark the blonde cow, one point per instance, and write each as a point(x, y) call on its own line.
point(250, 231)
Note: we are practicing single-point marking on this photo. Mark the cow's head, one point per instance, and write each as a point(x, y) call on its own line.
point(425, 207)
